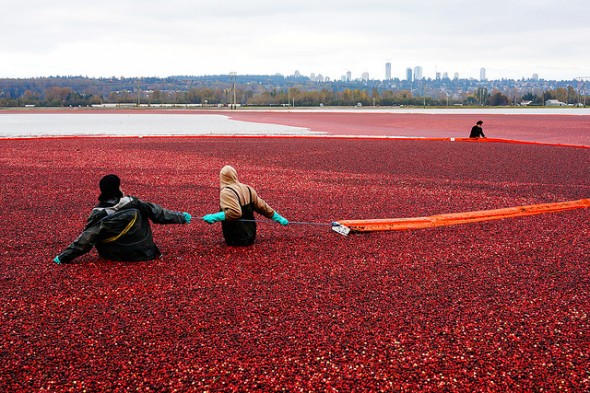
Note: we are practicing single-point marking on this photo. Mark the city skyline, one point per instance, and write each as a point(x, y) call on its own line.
point(135, 38)
point(436, 74)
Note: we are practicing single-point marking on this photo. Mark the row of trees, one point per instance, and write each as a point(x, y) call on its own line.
point(63, 97)
point(263, 93)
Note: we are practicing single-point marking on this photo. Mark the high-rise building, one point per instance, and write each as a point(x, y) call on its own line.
point(482, 74)
point(409, 74)
point(456, 76)
point(348, 76)
point(388, 71)
point(365, 76)
point(417, 73)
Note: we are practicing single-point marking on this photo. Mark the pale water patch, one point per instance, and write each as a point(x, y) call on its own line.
point(50, 124)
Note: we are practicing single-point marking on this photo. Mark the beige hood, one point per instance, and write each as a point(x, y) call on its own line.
point(227, 176)
point(233, 195)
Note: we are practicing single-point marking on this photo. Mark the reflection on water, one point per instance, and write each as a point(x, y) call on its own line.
point(45, 124)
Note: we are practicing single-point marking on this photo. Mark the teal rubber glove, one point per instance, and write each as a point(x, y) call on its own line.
point(56, 260)
point(187, 217)
point(280, 219)
point(215, 217)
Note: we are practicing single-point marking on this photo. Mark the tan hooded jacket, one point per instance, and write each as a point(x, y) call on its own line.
point(228, 200)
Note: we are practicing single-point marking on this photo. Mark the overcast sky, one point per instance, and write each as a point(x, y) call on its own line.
point(134, 38)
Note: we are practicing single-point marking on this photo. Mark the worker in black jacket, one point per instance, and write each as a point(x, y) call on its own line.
point(119, 226)
point(477, 130)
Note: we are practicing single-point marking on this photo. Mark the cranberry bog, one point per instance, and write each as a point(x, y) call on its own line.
point(566, 128)
point(493, 306)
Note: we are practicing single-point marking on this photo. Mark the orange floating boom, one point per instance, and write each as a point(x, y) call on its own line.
point(404, 224)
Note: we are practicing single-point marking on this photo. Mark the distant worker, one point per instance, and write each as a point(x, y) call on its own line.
point(119, 226)
point(477, 130)
point(238, 202)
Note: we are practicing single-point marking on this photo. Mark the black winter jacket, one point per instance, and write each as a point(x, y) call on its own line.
point(120, 230)
point(476, 132)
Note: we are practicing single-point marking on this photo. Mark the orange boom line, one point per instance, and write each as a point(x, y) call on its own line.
point(405, 224)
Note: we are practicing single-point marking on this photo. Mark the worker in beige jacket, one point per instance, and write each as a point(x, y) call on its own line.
point(238, 203)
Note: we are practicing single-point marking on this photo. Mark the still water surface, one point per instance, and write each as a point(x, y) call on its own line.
point(50, 124)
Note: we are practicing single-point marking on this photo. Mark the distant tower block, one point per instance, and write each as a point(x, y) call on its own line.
point(482, 74)
point(417, 73)
point(409, 74)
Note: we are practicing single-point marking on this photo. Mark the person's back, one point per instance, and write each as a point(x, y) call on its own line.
point(125, 234)
point(241, 232)
point(119, 227)
point(124, 238)
point(477, 130)
point(238, 202)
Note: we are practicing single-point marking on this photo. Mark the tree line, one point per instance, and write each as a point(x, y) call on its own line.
point(272, 90)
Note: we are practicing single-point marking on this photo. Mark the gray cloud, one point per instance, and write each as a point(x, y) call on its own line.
point(135, 38)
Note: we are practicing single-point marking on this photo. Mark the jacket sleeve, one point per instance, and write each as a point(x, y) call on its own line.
point(83, 243)
point(159, 215)
point(260, 206)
